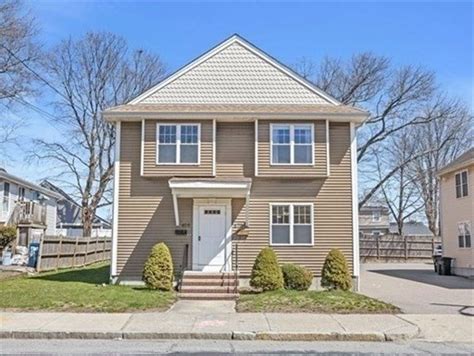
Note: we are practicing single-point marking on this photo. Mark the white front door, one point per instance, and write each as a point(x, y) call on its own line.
point(210, 241)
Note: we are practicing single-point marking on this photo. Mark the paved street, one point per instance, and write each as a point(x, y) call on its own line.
point(218, 347)
point(416, 289)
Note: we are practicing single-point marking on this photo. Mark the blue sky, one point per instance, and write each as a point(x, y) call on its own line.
point(436, 35)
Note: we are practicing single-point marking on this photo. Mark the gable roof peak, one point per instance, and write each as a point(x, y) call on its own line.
point(247, 71)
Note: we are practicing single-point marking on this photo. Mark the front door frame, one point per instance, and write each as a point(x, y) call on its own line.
point(197, 203)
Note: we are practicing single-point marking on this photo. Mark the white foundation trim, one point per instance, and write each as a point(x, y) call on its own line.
point(355, 206)
point(113, 265)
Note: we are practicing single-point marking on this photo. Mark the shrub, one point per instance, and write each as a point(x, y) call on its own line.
point(335, 273)
point(7, 235)
point(158, 270)
point(296, 277)
point(266, 272)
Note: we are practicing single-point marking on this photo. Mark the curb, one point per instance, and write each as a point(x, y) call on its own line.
point(231, 335)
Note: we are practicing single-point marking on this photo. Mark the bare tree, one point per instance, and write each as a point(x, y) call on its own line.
point(89, 75)
point(18, 49)
point(443, 140)
point(397, 97)
point(400, 192)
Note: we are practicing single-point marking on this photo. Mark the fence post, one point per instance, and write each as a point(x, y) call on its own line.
point(104, 248)
point(40, 252)
point(59, 251)
point(377, 241)
point(406, 248)
point(432, 244)
point(86, 251)
point(96, 248)
point(74, 253)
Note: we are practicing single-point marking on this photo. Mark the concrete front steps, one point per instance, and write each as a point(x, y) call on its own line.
point(209, 286)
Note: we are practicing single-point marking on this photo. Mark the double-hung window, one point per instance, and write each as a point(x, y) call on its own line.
point(464, 234)
point(292, 143)
point(178, 143)
point(461, 184)
point(291, 224)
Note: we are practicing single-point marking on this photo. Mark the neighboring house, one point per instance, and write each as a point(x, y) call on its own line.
point(27, 205)
point(231, 154)
point(374, 220)
point(457, 212)
point(69, 222)
point(411, 228)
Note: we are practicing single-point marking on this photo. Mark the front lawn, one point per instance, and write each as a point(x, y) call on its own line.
point(84, 289)
point(289, 301)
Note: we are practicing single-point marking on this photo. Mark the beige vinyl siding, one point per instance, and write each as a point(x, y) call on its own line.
point(332, 209)
point(235, 149)
point(145, 214)
point(146, 210)
point(265, 168)
point(151, 169)
point(453, 211)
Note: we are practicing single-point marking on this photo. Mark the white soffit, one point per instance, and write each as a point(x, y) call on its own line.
point(235, 72)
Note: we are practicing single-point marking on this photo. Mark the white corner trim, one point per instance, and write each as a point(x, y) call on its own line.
point(328, 156)
point(214, 142)
point(256, 148)
point(250, 47)
point(142, 149)
point(355, 205)
point(113, 265)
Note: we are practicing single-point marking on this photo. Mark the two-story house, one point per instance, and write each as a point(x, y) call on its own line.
point(374, 220)
point(28, 206)
point(457, 212)
point(233, 153)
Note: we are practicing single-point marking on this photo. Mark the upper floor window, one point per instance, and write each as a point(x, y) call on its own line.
point(291, 224)
point(461, 184)
point(21, 193)
point(291, 143)
point(376, 217)
point(178, 143)
point(464, 234)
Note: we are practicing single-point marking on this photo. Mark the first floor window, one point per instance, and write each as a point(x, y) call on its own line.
point(21, 193)
point(464, 234)
point(292, 144)
point(291, 224)
point(178, 143)
point(461, 185)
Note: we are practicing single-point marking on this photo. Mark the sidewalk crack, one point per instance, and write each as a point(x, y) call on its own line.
point(268, 322)
point(126, 323)
point(338, 322)
point(418, 329)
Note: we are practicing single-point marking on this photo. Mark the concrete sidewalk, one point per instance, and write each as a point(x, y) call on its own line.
point(218, 321)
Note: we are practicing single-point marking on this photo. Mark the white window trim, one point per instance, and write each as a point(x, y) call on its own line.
point(464, 236)
point(291, 224)
point(292, 144)
point(379, 217)
point(178, 144)
point(467, 182)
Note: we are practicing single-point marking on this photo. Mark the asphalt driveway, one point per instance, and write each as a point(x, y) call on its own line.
point(417, 289)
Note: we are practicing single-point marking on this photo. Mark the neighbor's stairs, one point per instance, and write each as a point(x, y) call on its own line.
point(209, 286)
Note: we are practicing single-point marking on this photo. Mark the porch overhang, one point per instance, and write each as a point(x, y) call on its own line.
point(208, 188)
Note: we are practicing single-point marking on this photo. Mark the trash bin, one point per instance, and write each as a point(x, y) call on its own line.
point(446, 266)
point(33, 253)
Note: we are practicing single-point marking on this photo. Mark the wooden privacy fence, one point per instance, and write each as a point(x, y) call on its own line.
point(62, 251)
point(396, 247)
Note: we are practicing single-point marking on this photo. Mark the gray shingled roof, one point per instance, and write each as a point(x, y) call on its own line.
point(458, 162)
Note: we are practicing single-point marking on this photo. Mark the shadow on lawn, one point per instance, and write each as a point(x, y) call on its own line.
point(94, 275)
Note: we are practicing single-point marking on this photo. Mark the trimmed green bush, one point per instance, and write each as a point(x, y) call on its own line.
point(296, 277)
point(7, 235)
point(158, 270)
point(266, 272)
point(335, 273)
